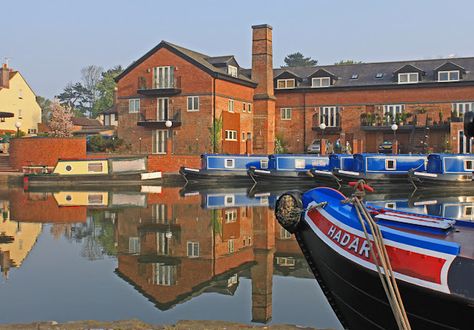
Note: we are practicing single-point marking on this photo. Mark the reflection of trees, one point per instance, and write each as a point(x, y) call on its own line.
point(96, 235)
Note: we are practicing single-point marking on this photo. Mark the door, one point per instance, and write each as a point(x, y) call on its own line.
point(464, 144)
point(162, 109)
point(160, 137)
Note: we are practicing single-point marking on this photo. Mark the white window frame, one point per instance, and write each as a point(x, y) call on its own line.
point(284, 234)
point(462, 107)
point(300, 163)
point(286, 261)
point(167, 80)
point(393, 109)
point(230, 135)
point(320, 82)
point(391, 205)
point(449, 75)
point(232, 71)
point(328, 115)
point(286, 83)
point(230, 215)
point(467, 168)
point(285, 113)
point(411, 78)
point(394, 162)
point(244, 107)
point(134, 245)
point(194, 103)
point(230, 105)
point(264, 164)
point(231, 245)
point(160, 148)
point(229, 200)
point(229, 163)
point(249, 107)
point(193, 245)
point(133, 105)
point(470, 213)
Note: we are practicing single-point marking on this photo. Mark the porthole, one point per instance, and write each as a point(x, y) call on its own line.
point(68, 198)
point(68, 168)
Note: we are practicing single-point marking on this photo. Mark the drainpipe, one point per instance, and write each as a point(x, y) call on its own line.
point(304, 122)
point(214, 113)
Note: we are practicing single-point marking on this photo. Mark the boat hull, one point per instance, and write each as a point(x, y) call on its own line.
point(372, 178)
point(88, 180)
point(208, 177)
point(423, 180)
point(358, 298)
point(279, 177)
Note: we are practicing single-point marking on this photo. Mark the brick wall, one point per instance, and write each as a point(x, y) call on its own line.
point(171, 163)
point(45, 151)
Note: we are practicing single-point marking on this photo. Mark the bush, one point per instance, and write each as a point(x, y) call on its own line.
point(99, 143)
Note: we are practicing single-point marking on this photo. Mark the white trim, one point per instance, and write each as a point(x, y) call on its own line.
point(232, 163)
point(285, 113)
point(348, 172)
point(430, 175)
point(408, 78)
point(134, 107)
point(449, 75)
point(285, 81)
point(321, 80)
point(394, 168)
point(194, 100)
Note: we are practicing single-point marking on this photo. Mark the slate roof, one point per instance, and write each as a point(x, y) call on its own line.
point(367, 72)
point(112, 109)
point(203, 61)
point(83, 121)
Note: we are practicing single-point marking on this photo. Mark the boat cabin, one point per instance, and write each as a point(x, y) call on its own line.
point(238, 199)
point(450, 163)
point(233, 162)
point(381, 163)
point(289, 162)
point(340, 161)
point(67, 167)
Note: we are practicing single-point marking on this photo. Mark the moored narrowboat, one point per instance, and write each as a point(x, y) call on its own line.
point(336, 161)
point(219, 168)
point(445, 171)
point(284, 168)
point(381, 168)
point(431, 258)
point(123, 171)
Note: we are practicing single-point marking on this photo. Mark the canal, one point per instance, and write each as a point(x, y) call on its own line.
point(164, 254)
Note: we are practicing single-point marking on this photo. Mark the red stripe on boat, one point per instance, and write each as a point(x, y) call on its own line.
point(414, 264)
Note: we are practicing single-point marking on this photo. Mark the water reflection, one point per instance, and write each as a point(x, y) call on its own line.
point(173, 247)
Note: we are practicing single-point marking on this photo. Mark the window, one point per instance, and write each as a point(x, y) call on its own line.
point(231, 245)
point(286, 261)
point(390, 205)
point(32, 131)
point(134, 245)
point(468, 165)
point(244, 107)
point(159, 213)
point(321, 82)
point(229, 163)
point(19, 114)
point(230, 216)
point(284, 234)
point(232, 70)
point(230, 135)
point(95, 199)
point(229, 200)
point(329, 116)
point(249, 108)
point(468, 210)
point(264, 164)
point(164, 274)
point(94, 167)
point(68, 168)
point(163, 77)
point(249, 136)
point(20, 93)
point(243, 136)
point(408, 78)
point(162, 111)
point(230, 107)
point(285, 83)
point(285, 113)
point(193, 249)
point(193, 103)
point(448, 75)
point(160, 139)
point(134, 105)
point(355, 76)
point(379, 75)
point(461, 108)
point(390, 164)
point(392, 110)
point(300, 163)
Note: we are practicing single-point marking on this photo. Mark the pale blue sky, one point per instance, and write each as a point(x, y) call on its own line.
point(49, 41)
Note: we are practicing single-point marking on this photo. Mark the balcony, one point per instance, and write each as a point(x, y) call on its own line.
point(150, 118)
point(167, 88)
point(333, 124)
point(405, 122)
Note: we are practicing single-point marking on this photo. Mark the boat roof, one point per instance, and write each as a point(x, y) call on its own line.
point(298, 155)
point(232, 155)
point(364, 155)
point(441, 156)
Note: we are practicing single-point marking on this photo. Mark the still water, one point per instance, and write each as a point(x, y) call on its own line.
point(164, 255)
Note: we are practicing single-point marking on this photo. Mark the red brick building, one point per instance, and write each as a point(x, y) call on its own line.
point(174, 100)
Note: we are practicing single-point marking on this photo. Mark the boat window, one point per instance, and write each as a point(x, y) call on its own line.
point(468, 210)
point(229, 163)
point(390, 206)
point(300, 163)
point(264, 164)
point(95, 199)
point(390, 164)
point(69, 168)
point(229, 200)
point(468, 165)
point(94, 167)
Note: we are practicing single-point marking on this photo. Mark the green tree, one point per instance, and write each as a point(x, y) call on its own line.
point(105, 89)
point(280, 145)
point(45, 105)
point(341, 62)
point(215, 135)
point(298, 59)
point(76, 97)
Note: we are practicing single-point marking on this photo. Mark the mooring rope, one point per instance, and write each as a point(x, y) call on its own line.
point(379, 253)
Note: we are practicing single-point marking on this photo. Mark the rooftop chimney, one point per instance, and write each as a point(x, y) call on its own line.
point(4, 76)
point(264, 98)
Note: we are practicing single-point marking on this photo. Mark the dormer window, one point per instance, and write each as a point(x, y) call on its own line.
point(408, 78)
point(379, 75)
point(321, 82)
point(448, 75)
point(285, 83)
point(232, 70)
point(355, 76)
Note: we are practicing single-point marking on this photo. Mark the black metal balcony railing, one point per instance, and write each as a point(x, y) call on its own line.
point(153, 118)
point(164, 88)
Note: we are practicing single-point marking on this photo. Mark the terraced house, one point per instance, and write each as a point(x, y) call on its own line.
point(174, 100)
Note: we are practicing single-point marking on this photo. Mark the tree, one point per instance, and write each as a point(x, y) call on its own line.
point(45, 105)
point(341, 62)
point(91, 75)
point(105, 89)
point(61, 120)
point(75, 97)
point(215, 136)
point(298, 59)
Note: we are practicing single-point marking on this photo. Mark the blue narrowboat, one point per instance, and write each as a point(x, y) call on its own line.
point(381, 168)
point(340, 161)
point(288, 168)
point(219, 168)
point(445, 171)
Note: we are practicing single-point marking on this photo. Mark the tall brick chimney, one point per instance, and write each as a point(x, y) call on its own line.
point(4, 76)
point(264, 98)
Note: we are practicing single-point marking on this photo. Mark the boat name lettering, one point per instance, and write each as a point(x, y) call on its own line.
point(348, 241)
